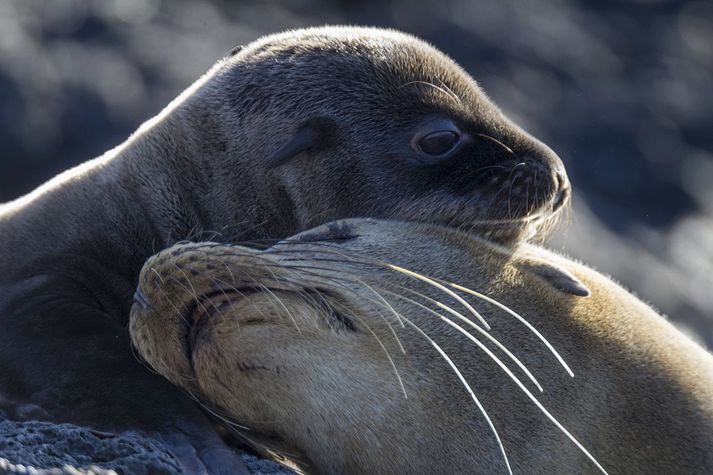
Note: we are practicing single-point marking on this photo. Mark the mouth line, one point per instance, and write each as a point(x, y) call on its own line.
point(494, 225)
point(502, 231)
point(202, 309)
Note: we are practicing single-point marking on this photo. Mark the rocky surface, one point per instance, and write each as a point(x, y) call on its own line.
point(621, 89)
point(42, 448)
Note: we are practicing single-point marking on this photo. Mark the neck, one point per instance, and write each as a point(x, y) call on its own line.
point(170, 181)
point(109, 213)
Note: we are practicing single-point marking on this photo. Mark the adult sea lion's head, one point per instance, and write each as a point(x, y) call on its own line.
point(336, 122)
point(325, 348)
point(370, 346)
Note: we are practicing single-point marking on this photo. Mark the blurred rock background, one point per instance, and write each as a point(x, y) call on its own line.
point(622, 90)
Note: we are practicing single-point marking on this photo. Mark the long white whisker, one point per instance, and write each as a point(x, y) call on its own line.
point(492, 339)
point(445, 91)
point(467, 387)
point(520, 318)
point(439, 286)
point(517, 381)
point(384, 301)
point(392, 310)
point(388, 355)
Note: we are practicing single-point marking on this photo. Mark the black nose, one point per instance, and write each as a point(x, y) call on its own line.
point(563, 190)
point(140, 299)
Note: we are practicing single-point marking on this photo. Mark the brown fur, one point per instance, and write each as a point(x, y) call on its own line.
point(297, 355)
point(291, 131)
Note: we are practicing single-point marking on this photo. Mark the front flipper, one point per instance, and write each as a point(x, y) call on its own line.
point(557, 276)
point(202, 451)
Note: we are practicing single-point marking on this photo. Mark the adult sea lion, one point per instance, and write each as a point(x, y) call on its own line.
point(349, 348)
point(288, 132)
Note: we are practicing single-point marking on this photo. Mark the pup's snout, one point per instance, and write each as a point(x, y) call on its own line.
point(563, 190)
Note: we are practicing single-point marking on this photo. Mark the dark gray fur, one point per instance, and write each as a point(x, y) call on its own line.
point(209, 167)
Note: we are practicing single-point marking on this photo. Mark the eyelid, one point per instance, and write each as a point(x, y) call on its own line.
point(436, 125)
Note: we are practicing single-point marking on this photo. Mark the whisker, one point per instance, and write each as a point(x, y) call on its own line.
point(497, 142)
point(284, 307)
point(432, 282)
point(351, 259)
point(168, 299)
point(467, 387)
point(392, 310)
point(232, 276)
point(453, 94)
point(516, 380)
point(490, 338)
point(388, 355)
point(446, 91)
point(192, 289)
point(141, 360)
point(520, 318)
point(233, 288)
point(214, 411)
point(169, 373)
point(380, 342)
point(160, 277)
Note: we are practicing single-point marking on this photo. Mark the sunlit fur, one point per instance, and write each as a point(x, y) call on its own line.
point(71, 250)
point(357, 352)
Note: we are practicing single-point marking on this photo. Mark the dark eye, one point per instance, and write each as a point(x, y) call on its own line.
point(438, 143)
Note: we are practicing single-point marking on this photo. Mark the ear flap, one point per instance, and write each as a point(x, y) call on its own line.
point(312, 135)
point(558, 277)
point(335, 231)
point(236, 50)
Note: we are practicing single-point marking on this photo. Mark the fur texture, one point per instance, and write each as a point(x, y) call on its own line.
point(206, 167)
point(315, 322)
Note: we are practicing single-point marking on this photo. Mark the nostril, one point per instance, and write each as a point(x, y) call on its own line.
point(563, 190)
point(140, 299)
point(562, 181)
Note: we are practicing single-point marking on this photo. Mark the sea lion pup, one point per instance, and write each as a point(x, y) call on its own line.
point(348, 347)
point(288, 132)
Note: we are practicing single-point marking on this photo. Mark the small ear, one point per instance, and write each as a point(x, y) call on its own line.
point(335, 231)
point(558, 277)
point(236, 50)
point(313, 134)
